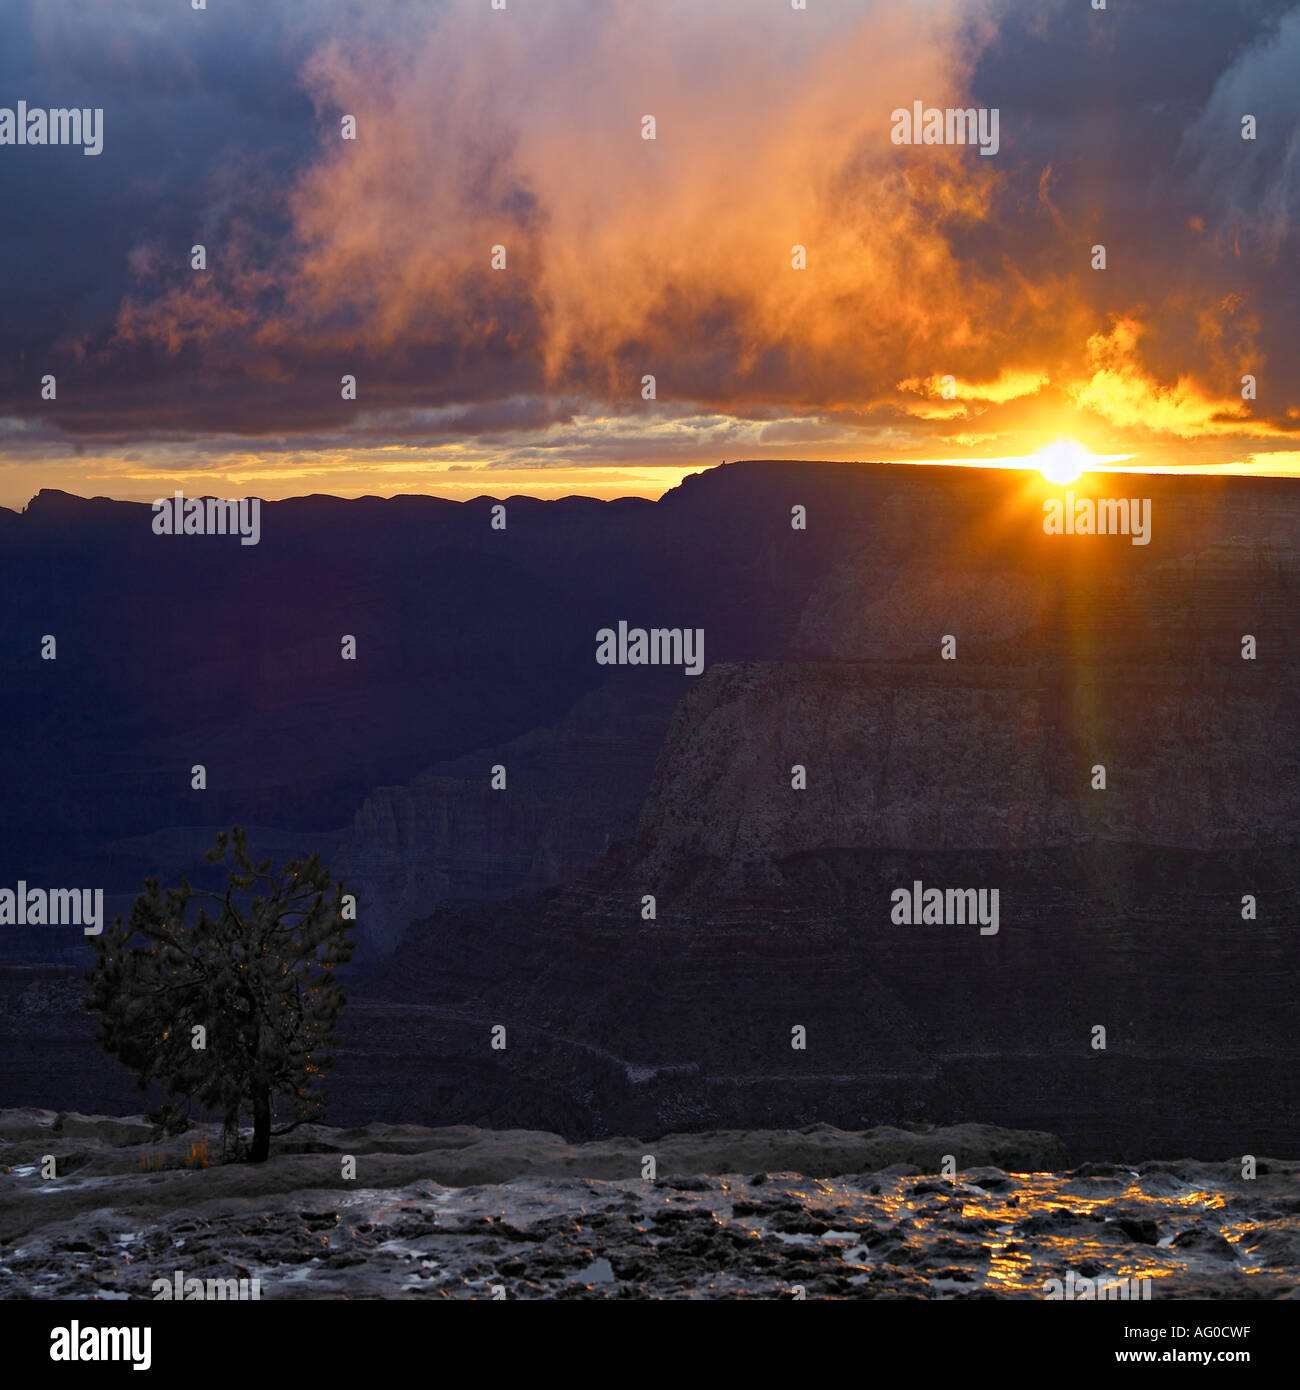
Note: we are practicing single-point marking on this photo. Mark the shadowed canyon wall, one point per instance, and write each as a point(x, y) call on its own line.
point(1120, 908)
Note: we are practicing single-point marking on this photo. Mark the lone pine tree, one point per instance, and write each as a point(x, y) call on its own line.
point(231, 1007)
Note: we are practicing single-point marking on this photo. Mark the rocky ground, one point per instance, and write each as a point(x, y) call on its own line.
point(451, 1213)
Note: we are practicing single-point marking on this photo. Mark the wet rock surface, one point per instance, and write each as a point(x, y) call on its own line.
point(455, 1213)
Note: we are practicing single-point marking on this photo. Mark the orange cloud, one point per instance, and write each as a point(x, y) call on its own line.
point(1122, 392)
point(675, 257)
point(1009, 385)
point(626, 256)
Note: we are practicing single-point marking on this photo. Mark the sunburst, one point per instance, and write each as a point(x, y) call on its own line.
point(1062, 462)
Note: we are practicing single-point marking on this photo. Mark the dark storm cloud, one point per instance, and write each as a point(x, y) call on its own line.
point(181, 102)
point(221, 126)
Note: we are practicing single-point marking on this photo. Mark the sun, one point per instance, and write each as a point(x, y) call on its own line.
point(1062, 462)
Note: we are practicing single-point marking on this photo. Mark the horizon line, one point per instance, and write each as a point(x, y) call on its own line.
point(1024, 463)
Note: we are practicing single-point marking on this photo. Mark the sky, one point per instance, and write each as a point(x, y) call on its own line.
point(948, 307)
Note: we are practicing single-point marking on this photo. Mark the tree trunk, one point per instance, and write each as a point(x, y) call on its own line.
point(261, 1125)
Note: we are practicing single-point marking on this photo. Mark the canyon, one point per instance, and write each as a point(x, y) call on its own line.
point(1120, 909)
